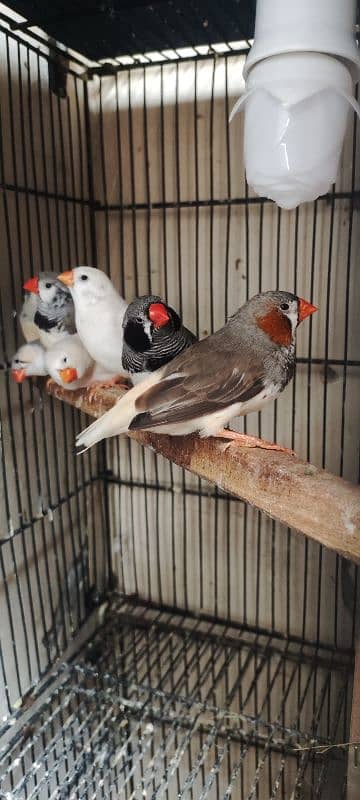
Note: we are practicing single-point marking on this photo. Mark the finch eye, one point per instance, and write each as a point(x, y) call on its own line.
point(84, 277)
point(17, 360)
point(284, 306)
point(65, 359)
point(48, 285)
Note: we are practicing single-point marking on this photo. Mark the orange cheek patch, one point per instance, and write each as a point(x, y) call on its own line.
point(277, 327)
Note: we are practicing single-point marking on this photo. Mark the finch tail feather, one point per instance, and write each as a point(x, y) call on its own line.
point(115, 421)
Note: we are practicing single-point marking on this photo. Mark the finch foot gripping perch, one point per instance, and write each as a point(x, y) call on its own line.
point(245, 440)
point(119, 380)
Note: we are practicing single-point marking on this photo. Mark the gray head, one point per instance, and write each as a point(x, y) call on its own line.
point(55, 307)
point(276, 313)
point(45, 286)
point(52, 292)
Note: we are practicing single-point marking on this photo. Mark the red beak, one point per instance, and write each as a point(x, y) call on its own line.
point(18, 375)
point(68, 375)
point(305, 309)
point(32, 285)
point(158, 314)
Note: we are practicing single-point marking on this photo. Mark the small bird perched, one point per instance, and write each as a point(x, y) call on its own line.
point(234, 371)
point(153, 336)
point(55, 315)
point(29, 360)
point(71, 366)
point(99, 314)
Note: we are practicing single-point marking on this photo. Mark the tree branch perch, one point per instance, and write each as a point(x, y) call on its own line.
point(308, 499)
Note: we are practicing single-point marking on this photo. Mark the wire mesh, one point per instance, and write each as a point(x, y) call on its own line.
point(157, 705)
point(177, 218)
point(238, 647)
point(52, 561)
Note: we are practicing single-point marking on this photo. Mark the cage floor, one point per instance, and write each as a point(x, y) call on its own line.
point(161, 705)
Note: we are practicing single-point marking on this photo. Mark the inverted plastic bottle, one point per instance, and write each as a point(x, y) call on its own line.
point(297, 97)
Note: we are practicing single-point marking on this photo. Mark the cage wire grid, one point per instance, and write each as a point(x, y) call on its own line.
point(154, 705)
point(237, 644)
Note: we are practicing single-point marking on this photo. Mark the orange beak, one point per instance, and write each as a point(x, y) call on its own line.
point(18, 375)
point(67, 277)
point(32, 285)
point(68, 375)
point(158, 314)
point(305, 309)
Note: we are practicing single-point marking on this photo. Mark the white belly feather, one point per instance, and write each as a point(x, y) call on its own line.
point(210, 424)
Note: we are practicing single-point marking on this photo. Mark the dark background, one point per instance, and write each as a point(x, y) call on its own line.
point(108, 28)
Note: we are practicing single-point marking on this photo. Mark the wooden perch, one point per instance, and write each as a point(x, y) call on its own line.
point(310, 500)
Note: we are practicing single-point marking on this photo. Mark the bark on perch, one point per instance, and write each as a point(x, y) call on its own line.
point(310, 500)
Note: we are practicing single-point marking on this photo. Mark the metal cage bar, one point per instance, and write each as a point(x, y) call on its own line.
point(231, 646)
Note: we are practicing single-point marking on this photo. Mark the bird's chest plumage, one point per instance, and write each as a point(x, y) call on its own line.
point(143, 355)
point(51, 337)
point(101, 334)
point(50, 330)
point(45, 323)
point(281, 366)
point(150, 361)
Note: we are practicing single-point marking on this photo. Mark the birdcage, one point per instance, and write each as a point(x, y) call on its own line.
point(177, 620)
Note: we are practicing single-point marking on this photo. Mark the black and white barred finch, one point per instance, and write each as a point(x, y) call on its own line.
point(153, 336)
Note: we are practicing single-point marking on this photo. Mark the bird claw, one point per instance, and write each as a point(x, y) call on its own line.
point(49, 383)
point(245, 440)
point(92, 392)
point(118, 380)
point(121, 381)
